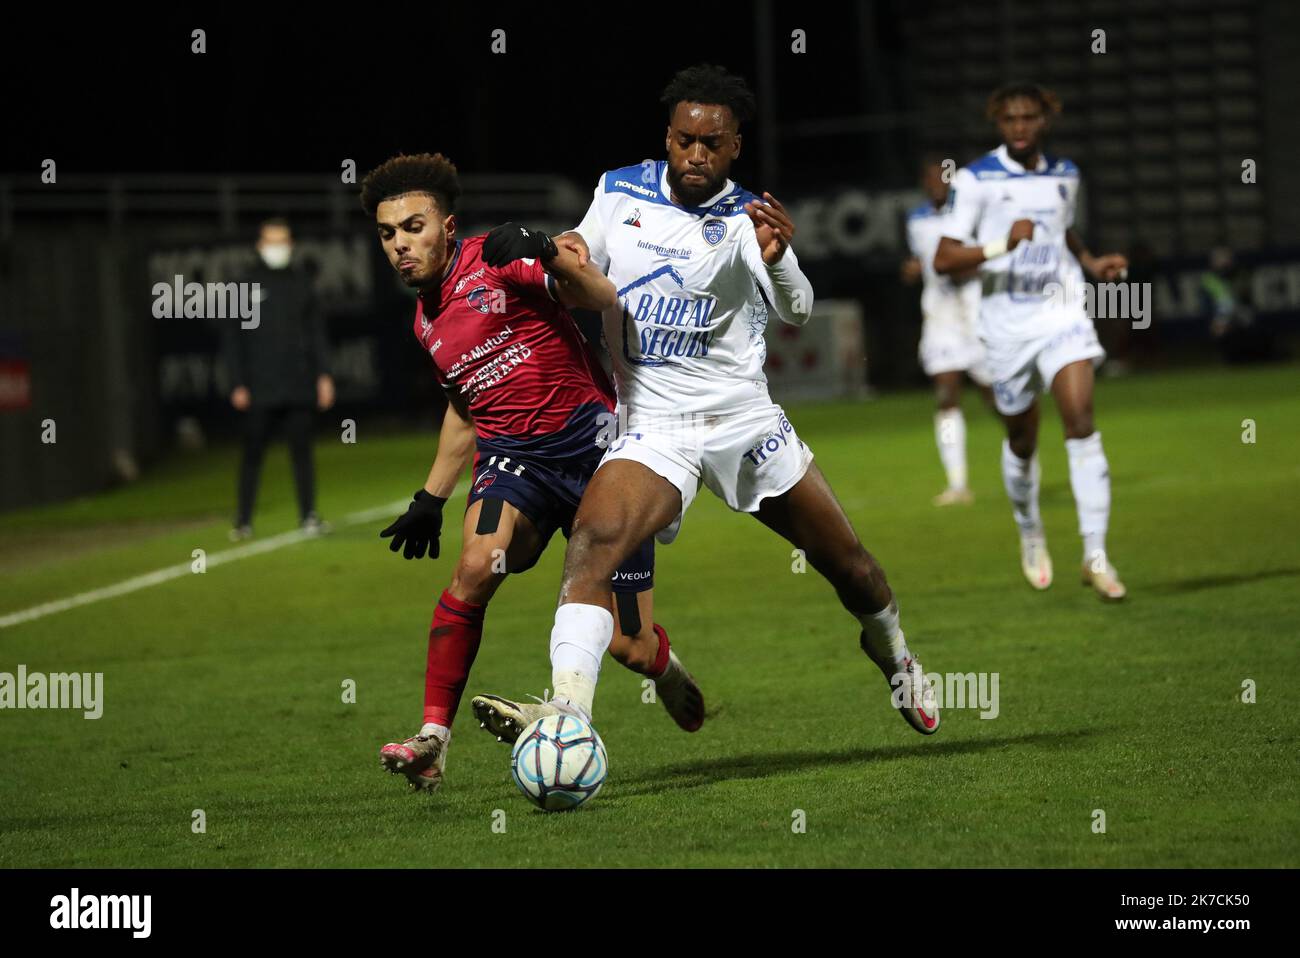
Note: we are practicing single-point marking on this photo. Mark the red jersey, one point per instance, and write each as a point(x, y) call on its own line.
point(501, 340)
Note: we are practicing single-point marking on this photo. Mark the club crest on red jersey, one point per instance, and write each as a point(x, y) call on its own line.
point(480, 298)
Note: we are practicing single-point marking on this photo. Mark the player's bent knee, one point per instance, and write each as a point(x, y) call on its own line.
point(1079, 426)
point(475, 577)
point(594, 549)
point(1022, 440)
point(947, 396)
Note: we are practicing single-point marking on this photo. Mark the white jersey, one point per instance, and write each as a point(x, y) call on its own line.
point(942, 299)
point(1037, 288)
point(694, 293)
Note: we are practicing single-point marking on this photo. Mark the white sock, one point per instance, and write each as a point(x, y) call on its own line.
point(950, 436)
point(430, 728)
point(1090, 480)
point(1020, 477)
point(581, 636)
point(882, 636)
point(575, 689)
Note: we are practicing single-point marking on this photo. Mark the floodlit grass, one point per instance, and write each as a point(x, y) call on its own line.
point(223, 691)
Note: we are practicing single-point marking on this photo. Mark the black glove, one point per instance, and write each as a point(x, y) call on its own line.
point(512, 241)
point(418, 528)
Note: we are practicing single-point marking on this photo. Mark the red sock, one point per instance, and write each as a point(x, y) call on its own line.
point(661, 660)
point(454, 636)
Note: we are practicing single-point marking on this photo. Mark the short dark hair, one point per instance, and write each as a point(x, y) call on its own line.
point(1050, 102)
point(706, 83)
point(420, 173)
point(273, 222)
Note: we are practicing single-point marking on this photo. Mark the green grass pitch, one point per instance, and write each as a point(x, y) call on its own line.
point(223, 691)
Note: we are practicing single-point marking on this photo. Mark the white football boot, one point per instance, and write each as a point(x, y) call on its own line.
point(507, 719)
point(1035, 561)
point(954, 497)
point(1104, 579)
point(911, 693)
point(421, 758)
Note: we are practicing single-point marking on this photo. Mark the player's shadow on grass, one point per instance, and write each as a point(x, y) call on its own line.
point(1201, 583)
point(763, 764)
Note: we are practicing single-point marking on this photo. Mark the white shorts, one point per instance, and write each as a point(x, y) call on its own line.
point(1023, 368)
point(744, 457)
point(952, 346)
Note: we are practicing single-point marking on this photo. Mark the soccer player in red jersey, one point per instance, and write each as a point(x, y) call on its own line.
point(529, 404)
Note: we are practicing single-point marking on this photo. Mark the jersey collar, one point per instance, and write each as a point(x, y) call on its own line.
point(1004, 157)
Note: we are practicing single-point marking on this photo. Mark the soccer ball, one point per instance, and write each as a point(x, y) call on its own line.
point(559, 762)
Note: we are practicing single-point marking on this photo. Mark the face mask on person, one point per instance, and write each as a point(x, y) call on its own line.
point(276, 255)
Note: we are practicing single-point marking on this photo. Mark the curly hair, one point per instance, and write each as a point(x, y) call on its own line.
point(421, 173)
point(706, 83)
point(1050, 102)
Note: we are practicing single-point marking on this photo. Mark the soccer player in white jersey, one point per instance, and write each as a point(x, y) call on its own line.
point(698, 263)
point(1017, 206)
point(950, 344)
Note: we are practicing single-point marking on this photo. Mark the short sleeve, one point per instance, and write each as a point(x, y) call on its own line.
point(592, 229)
point(966, 204)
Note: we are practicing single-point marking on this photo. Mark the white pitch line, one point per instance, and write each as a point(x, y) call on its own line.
point(167, 573)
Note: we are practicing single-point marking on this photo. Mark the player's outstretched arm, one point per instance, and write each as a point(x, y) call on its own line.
point(574, 241)
point(1107, 267)
point(577, 282)
point(417, 530)
point(456, 444)
point(954, 258)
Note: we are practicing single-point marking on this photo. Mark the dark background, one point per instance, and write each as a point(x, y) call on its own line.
point(288, 90)
point(167, 158)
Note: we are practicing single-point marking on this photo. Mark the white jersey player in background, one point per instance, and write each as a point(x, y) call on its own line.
point(950, 343)
point(698, 264)
point(1017, 205)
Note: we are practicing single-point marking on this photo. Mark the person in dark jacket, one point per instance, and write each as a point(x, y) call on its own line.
point(279, 373)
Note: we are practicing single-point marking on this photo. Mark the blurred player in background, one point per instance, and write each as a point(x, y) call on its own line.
point(950, 344)
point(1017, 205)
point(527, 404)
point(280, 372)
point(698, 263)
